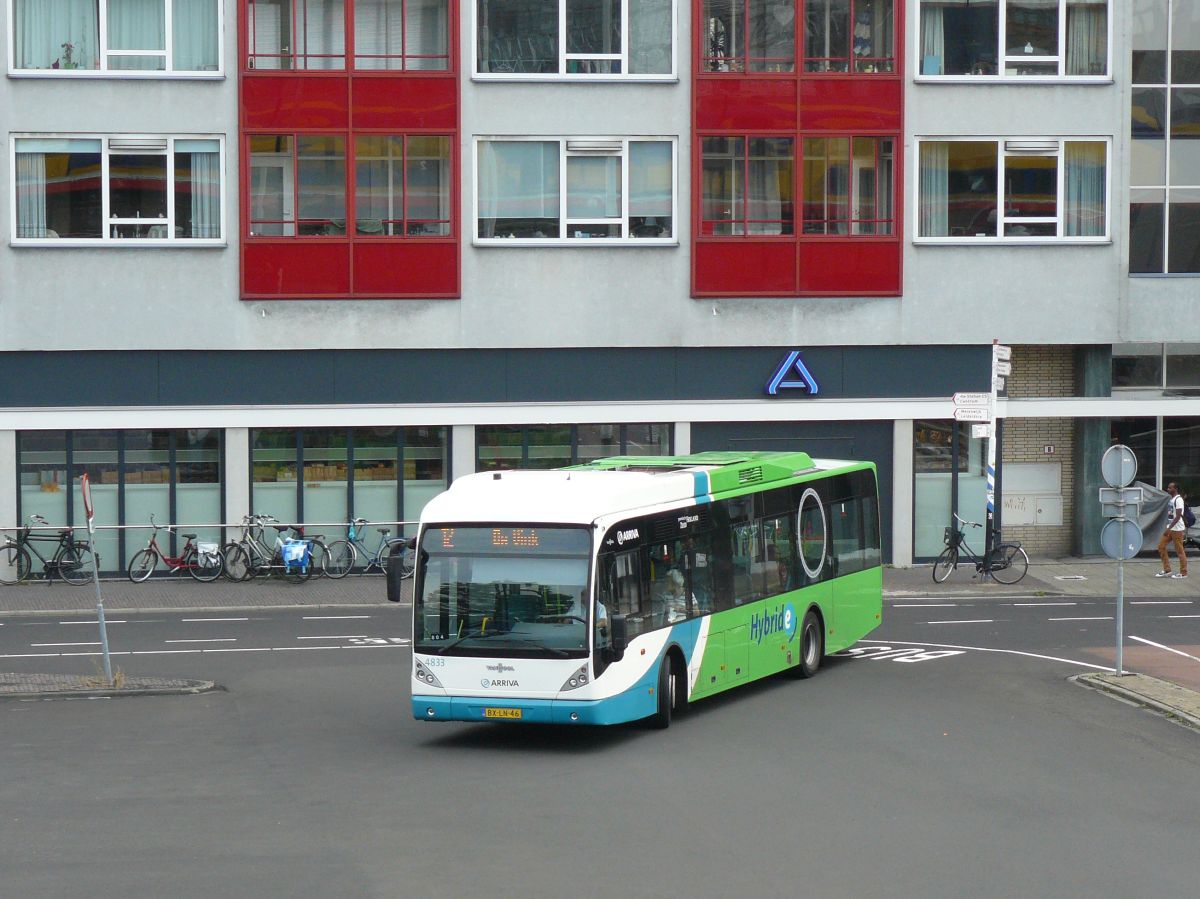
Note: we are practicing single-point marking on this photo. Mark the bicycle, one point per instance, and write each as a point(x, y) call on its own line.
point(343, 554)
point(203, 561)
point(1008, 562)
point(71, 560)
point(250, 556)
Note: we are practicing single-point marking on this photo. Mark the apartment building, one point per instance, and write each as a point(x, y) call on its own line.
point(319, 257)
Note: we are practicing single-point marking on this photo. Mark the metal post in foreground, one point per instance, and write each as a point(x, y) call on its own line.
point(86, 488)
point(1120, 615)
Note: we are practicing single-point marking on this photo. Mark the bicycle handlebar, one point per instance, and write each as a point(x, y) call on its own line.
point(961, 520)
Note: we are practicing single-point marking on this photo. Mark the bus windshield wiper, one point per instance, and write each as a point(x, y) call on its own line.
point(479, 635)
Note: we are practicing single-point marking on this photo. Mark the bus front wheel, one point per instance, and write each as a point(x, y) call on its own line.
point(671, 694)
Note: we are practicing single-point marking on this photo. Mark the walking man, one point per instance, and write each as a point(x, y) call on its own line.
point(1176, 528)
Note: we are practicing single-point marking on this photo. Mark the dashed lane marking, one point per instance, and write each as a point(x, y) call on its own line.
point(1100, 618)
point(965, 621)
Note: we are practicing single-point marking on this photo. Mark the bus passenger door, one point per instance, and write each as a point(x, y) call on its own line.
point(737, 654)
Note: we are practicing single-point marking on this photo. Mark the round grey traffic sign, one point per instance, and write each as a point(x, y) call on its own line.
point(1118, 465)
point(1121, 538)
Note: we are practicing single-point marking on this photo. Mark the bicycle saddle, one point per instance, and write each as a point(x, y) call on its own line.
point(188, 536)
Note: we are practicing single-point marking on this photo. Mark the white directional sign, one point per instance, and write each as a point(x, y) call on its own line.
point(972, 413)
point(1002, 352)
point(997, 383)
point(1003, 368)
point(972, 399)
point(981, 432)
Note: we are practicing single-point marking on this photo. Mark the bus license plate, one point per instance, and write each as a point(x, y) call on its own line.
point(501, 713)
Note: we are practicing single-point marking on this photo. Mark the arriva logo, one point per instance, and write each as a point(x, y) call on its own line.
point(781, 621)
point(631, 534)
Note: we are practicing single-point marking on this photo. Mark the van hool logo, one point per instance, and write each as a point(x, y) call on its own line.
point(500, 668)
point(631, 534)
point(782, 620)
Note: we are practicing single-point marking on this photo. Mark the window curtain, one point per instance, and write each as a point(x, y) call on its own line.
point(650, 37)
point(136, 25)
point(933, 40)
point(31, 195)
point(1087, 37)
point(322, 27)
point(195, 35)
point(517, 180)
point(43, 26)
point(1084, 200)
point(379, 34)
point(206, 195)
point(934, 190)
point(426, 35)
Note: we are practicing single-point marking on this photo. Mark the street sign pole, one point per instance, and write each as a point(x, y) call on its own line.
point(1121, 537)
point(1000, 355)
point(85, 486)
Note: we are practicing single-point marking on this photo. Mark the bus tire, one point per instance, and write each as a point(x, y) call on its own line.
point(670, 693)
point(812, 645)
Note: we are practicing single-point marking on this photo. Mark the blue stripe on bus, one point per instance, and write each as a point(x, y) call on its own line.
point(701, 480)
point(638, 702)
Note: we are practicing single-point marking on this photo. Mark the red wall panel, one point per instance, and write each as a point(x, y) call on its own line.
point(850, 267)
point(294, 102)
point(745, 104)
point(307, 268)
point(860, 103)
point(745, 267)
point(405, 103)
point(406, 268)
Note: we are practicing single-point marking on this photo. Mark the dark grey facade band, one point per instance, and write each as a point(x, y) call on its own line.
point(350, 377)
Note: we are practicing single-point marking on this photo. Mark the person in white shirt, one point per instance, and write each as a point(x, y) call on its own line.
point(1175, 532)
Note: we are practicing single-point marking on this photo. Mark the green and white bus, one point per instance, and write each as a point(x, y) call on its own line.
point(629, 587)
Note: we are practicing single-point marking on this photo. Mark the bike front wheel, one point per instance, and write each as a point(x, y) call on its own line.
point(14, 564)
point(142, 565)
point(75, 564)
point(204, 567)
point(237, 565)
point(398, 548)
point(1009, 563)
point(338, 560)
point(945, 564)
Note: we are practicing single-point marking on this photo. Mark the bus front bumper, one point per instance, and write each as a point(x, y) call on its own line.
point(626, 707)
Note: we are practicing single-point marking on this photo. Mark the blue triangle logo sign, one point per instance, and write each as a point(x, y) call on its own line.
point(785, 377)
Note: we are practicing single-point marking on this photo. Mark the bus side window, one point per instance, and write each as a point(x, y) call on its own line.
point(622, 588)
point(846, 535)
point(781, 555)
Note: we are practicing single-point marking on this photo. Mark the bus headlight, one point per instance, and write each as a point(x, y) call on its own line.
point(425, 677)
point(576, 680)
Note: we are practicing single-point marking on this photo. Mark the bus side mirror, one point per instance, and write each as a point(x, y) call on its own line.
point(619, 635)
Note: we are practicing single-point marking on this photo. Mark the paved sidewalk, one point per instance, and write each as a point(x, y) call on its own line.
point(1071, 577)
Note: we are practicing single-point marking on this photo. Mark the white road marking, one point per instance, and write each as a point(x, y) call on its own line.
point(1013, 652)
point(1101, 618)
point(213, 619)
point(965, 621)
point(151, 652)
point(1183, 616)
point(336, 637)
point(924, 605)
point(1177, 652)
point(97, 621)
point(213, 640)
point(1160, 602)
point(1031, 605)
point(47, 645)
point(332, 617)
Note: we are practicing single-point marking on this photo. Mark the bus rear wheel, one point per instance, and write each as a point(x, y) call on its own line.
point(672, 694)
point(812, 645)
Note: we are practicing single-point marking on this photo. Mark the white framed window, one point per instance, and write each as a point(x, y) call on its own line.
point(1014, 39)
point(1013, 190)
point(591, 40)
point(575, 191)
point(115, 38)
point(128, 190)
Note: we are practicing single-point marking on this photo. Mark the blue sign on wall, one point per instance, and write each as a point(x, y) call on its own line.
point(785, 377)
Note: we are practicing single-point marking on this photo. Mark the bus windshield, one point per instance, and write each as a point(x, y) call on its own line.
point(503, 591)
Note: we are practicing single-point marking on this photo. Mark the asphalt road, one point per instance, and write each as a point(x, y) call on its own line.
point(909, 770)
